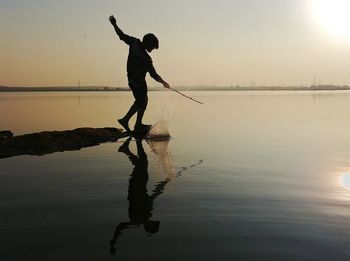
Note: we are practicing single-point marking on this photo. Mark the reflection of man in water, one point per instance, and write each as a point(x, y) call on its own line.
point(139, 63)
point(140, 203)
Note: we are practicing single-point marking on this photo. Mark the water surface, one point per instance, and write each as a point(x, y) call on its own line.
point(247, 175)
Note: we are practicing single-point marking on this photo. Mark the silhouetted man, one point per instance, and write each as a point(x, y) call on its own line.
point(139, 63)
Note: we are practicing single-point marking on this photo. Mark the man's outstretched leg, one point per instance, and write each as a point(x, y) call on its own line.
point(125, 120)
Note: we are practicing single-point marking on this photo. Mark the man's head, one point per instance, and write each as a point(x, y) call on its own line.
point(151, 226)
point(150, 42)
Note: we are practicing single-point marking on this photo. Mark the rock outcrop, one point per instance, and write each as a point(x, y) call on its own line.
point(5, 135)
point(53, 141)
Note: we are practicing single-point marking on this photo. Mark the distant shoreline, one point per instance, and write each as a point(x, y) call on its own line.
point(124, 89)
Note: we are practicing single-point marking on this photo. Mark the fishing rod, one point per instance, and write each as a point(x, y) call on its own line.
point(186, 96)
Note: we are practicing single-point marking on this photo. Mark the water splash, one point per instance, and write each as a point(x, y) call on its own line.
point(161, 149)
point(166, 107)
point(163, 153)
point(159, 130)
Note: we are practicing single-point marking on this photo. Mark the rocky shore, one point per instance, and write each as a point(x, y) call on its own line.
point(54, 141)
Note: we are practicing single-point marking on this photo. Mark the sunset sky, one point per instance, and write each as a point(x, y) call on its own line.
point(221, 43)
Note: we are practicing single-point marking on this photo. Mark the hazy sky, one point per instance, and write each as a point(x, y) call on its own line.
point(221, 42)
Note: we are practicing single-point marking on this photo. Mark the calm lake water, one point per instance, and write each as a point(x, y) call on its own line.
point(247, 175)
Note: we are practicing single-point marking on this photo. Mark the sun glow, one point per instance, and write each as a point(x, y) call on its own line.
point(345, 180)
point(332, 16)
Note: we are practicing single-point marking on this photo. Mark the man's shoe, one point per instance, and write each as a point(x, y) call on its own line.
point(125, 125)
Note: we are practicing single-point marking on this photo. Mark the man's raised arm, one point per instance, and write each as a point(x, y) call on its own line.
point(126, 38)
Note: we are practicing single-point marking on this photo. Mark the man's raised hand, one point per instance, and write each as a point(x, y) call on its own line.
point(112, 20)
